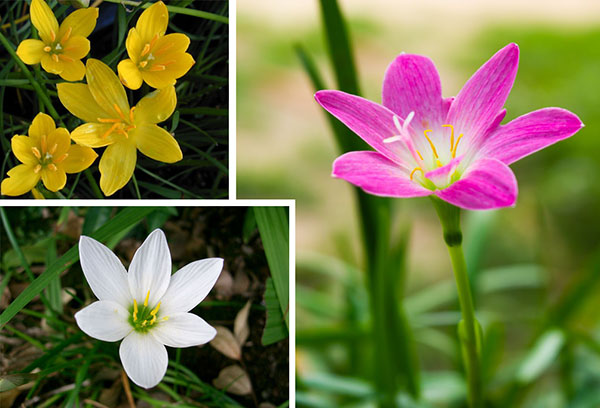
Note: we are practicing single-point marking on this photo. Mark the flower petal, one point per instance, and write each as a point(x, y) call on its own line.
point(52, 66)
point(129, 74)
point(144, 359)
point(529, 133)
point(190, 285)
point(177, 65)
point(21, 179)
point(92, 135)
point(76, 47)
point(22, 148)
point(483, 96)
point(41, 125)
point(153, 21)
point(442, 175)
point(184, 330)
point(104, 320)
point(369, 120)
point(44, 20)
point(134, 45)
point(79, 159)
point(116, 166)
point(157, 106)
point(157, 143)
point(82, 22)
point(158, 79)
point(54, 180)
point(31, 51)
point(59, 142)
point(487, 184)
point(72, 70)
point(106, 88)
point(78, 100)
point(376, 174)
point(150, 269)
point(104, 272)
point(175, 43)
point(412, 84)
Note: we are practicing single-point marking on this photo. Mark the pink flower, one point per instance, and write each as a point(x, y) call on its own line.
point(454, 148)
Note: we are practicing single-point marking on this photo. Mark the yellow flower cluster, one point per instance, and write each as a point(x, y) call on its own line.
point(101, 103)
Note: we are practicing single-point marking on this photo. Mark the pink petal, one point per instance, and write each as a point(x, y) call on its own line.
point(377, 175)
point(529, 133)
point(369, 120)
point(480, 101)
point(441, 175)
point(487, 184)
point(412, 84)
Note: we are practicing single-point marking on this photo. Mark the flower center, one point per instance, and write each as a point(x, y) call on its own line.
point(149, 55)
point(143, 318)
point(121, 125)
point(56, 48)
point(46, 157)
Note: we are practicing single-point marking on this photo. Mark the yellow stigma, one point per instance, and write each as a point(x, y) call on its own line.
point(135, 310)
point(415, 170)
point(147, 296)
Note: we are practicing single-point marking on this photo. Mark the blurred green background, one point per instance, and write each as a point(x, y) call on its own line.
point(537, 265)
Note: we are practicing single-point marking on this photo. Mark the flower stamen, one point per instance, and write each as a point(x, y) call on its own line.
point(44, 144)
point(65, 58)
point(52, 167)
point(61, 158)
point(47, 48)
point(147, 296)
point(456, 146)
point(55, 57)
point(146, 49)
point(451, 135)
point(109, 131)
point(412, 173)
point(119, 112)
point(36, 152)
point(157, 67)
point(135, 310)
point(37, 168)
point(53, 149)
point(67, 35)
point(131, 114)
point(52, 35)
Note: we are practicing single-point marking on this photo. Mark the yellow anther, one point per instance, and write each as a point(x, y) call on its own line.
point(155, 310)
point(421, 157)
point(37, 168)
point(119, 111)
point(109, 131)
point(430, 142)
point(123, 132)
point(146, 49)
point(163, 49)
point(143, 64)
point(67, 35)
point(131, 114)
point(61, 158)
point(44, 144)
point(166, 318)
point(438, 162)
point(135, 310)
point(153, 320)
point(169, 62)
point(147, 296)
point(55, 57)
point(144, 323)
point(157, 67)
point(36, 152)
point(65, 58)
point(153, 40)
point(456, 146)
point(451, 135)
point(53, 148)
point(52, 35)
point(47, 48)
point(412, 173)
point(52, 167)
point(106, 120)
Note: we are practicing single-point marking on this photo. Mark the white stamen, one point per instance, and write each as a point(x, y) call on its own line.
point(401, 127)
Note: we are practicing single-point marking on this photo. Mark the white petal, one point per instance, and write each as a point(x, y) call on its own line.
point(190, 285)
point(104, 272)
point(183, 330)
point(104, 320)
point(144, 359)
point(150, 269)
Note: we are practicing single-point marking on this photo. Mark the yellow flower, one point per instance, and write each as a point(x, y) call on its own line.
point(103, 105)
point(47, 153)
point(61, 48)
point(154, 57)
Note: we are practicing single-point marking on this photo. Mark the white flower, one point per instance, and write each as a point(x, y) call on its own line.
point(146, 307)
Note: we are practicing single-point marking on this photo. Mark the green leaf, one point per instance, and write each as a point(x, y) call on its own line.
point(275, 329)
point(541, 356)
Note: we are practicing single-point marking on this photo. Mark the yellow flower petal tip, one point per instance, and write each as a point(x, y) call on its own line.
point(61, 48)
point(46, 154)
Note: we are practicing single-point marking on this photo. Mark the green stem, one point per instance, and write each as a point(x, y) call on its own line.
point(469, 329)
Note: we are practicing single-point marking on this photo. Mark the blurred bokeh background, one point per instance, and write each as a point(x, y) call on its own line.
point(538, 263)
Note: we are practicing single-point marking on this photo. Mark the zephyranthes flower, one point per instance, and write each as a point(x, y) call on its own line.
point(454, 148)
point(61, 48)
point(154, 57)
point(146, 307)
point(102, 103)
point(47, 154)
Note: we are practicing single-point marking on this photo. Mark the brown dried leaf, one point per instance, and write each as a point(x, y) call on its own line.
point(241, 330)
point(226, 343)
point(233, 379)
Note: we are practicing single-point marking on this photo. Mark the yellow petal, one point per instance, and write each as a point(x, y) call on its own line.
point(51, 65)
point(157, 143)
point(79, 159)
point(43, 19)
point(129, 74)
point(157, 106)
point(78, 100)
point(76, 47)
point(73, 71)
point(153, 21)
point(116, 166)
point(179, 66)
point(37, 195)
point(171, 43)
point(106, 87)
point(92, 135)
point(58, 142)
point(54, 180)
point(81, 22)
point(158, 79)
point(134, 45)
point(21, 179)
point(31, 51)
point(22, 148)
point(41, 125)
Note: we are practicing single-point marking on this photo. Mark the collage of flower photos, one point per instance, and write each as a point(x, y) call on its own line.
point(400, 210)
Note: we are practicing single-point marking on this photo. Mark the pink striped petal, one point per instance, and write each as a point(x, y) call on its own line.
point(412, 84)
point(529, 133)
point(487, 184)
point(377, 175)
point(369, 120)
point(441, 176)
point(481, 99)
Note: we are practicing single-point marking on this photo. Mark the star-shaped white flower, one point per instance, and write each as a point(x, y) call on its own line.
point(146, 307)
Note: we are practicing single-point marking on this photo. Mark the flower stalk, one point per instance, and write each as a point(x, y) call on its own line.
point(469, 329)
